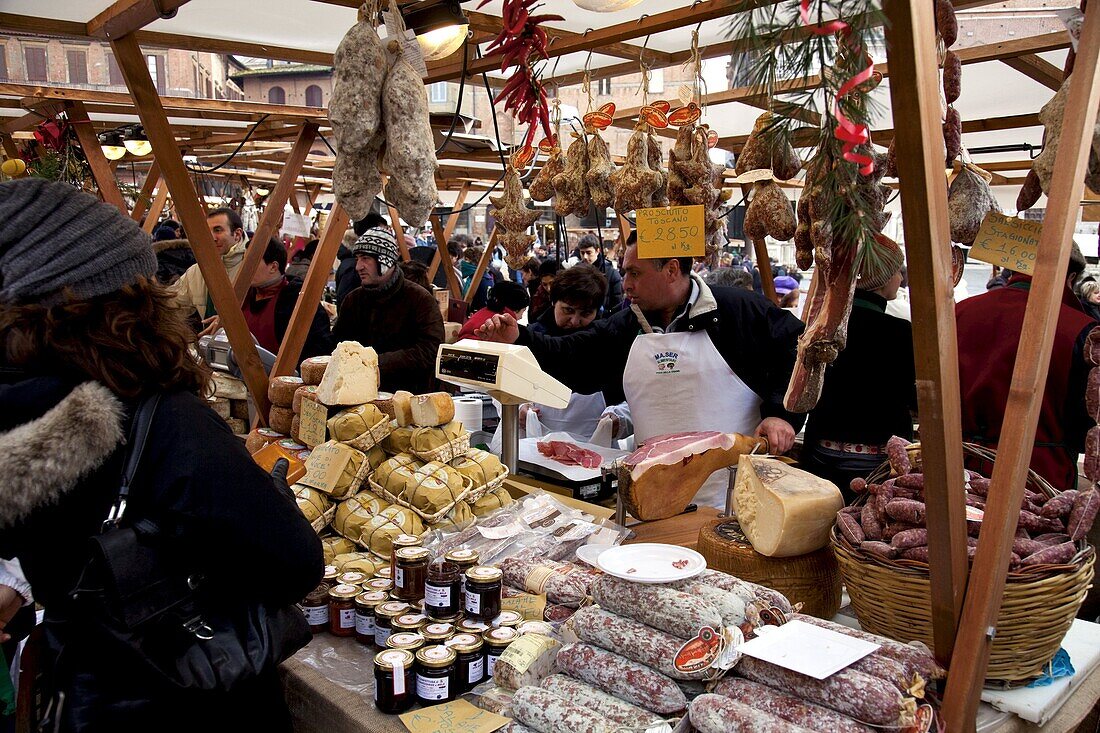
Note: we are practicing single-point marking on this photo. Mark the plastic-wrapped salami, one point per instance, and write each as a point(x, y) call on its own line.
point(719, 714)
point(587, 696)
point(848, 692)
point(562, 583)
point(526, 661)
point(915, 661)
point(732, 608)
point(622, 678)
point(661, 607)
point(631, 639)
point(791, 708)
point(546, 712)
point(745, 589)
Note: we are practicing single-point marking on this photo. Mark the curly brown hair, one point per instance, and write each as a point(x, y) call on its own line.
point(134, 341)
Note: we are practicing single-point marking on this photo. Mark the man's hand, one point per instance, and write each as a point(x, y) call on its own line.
point(10, 603)
point(210, 326)
point(779, 433)
point(501, 328)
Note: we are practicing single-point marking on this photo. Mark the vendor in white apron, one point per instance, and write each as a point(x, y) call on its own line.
point(685, 357)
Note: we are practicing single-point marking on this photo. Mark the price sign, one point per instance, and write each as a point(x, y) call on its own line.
point(529, 605)
point(312, 423)
point(453, 717)
point(1007, 242)
point(675, 232)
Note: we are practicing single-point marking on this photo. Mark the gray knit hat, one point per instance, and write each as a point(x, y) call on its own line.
point(54, 237)
point(380, 244)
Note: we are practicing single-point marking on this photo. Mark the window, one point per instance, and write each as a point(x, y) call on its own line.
point(438, 92)
point(156, 72)
point(657, 80)
point(313, 96)
point(35, 57)
point(78, 66)
point(3, 62)
point(114, 73)
point(605, 87)
point(276, 95)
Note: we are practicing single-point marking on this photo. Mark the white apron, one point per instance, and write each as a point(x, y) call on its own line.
point(678, 382)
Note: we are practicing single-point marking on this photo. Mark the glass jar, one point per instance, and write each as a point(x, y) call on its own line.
point(409, 621)
point(383, 584)
point(437, 633)
point(483, 592)
point(330, 575)
point(535, 627)
point(341, 610)
point(384, 614)
point(464, 559)
point(385, 572)
point(496, 641)
point(399, 542)
point(365, 603)
point(471, 626)
point(511, 619)
point(442, 591)
point(410, 573)
point(315, 608)
point(470, 661)
point(435, 675)
point(394, 681)
point(351, 578)
point(406, 641)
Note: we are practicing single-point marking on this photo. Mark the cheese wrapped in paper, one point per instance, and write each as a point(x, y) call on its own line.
point(457, 519)
point(376, 457)
point(492, 501)
point(403, 464)
point(424, 440)
point(359, 562)
point(354, 468)
point(380, 530)
point(479, 466)
point(333, 546)
point(433, 487)
point(349, 424)
point(352, 515)
point(399, 441)
point(311, 502)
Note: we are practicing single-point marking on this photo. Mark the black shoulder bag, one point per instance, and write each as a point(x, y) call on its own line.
point(139, 593)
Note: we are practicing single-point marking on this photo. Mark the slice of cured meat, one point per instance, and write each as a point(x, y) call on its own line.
point(570, 454)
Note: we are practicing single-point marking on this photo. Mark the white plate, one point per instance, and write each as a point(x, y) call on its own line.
point(649, 562)
point(591, 553)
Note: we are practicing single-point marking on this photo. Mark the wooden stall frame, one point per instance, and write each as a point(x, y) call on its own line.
point(160, 200)
point(442, 256)
point(145, 195)
point(103, 171)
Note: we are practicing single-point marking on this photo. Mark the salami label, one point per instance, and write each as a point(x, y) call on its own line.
point(699, 653)
point(537, 578)
point(927, 721)
point(523, 652)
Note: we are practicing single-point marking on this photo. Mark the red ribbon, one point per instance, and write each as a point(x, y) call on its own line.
point(848, 132)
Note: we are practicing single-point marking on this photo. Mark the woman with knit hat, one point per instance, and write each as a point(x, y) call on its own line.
point(870, 390)
point(88, 340)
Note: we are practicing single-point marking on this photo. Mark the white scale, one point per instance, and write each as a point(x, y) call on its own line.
point(506, 372)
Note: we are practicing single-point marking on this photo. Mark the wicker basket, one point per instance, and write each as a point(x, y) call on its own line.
point(464, 495)
point(373, 436)
point(893, 598)
point(446, 452)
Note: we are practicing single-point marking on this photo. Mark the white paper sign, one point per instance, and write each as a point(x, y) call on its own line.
point(806, 649)
point(295, 225)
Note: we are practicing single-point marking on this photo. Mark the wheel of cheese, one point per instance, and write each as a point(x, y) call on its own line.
point(281, 390)
point(219, 405)
point(812, 580)
point(238, 409)
point(260, 437)
point(305, 392)
point(239, 427)
point(295, 424)
point(313, 369)
point(281, 418)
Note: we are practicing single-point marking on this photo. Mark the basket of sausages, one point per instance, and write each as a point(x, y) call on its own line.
point(881, 545)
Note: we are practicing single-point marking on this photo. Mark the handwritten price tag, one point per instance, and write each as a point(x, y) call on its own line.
point(1007, 242)
point(453, 717)
point(313, 423)
point(675, 232)
point(531, 606)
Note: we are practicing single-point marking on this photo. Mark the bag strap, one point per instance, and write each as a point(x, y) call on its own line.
point(139, 432)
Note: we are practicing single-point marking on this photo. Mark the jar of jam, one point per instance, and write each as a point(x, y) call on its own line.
point(315, 608)
point(341, 610)
point(409, 621)
point(511, 619)
point(352, 578)
point(535, 627)
point(470, 626)
point(330, 575)
point(496, 641)
point(394, 681)
point(384, 614)
point(470, 661)
point(442, 591)
point(435, 675)
point(365, 603)
point(399, 542)
point(483, 592)
point(385, 572)
point(464, 559)
point(437, 633)
point(410, 573)
point(407, 641)
point(383, 584)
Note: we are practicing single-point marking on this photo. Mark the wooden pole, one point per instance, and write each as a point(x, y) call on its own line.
point(192, 215)
point(979, 618)
point(306, 307)
point(273, 209)
point(482, 265)
point(159, 201)
point(442, 256)
point(624, 234)
point(452, 220)
point(145, 196)
point(103, 171)
point(399, 235)
point(10, 150)
point(913, 62)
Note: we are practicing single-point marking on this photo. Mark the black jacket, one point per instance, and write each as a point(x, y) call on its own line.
point(347, 279)
point(319, 338)
point(404, 326)
point(756, 338)
point(614, 299)
point(174, 257)
point(62, 458)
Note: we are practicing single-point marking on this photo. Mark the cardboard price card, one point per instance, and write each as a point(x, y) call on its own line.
point(313, 423)
point(453, 717)
point(674, 232)
point(1007, 242)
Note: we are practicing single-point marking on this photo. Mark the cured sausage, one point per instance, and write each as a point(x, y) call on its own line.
point(848, 692)
point(622, 678)
point(359, 68)
point(910, 538)
point(872, 529)
point(563, 584)
point(661, 607)
point(788, 707)
point(850, 528)
point(1083, 514)
point(1053, 555)
point(410, 145)
point(730, 606)
point(915, 661)
point(952, 77)
point(745, 589)
point(1059, 506)
point(719, 714)
point(633, 640)
point(906, 510)
point(548, 713)
point(599, 702)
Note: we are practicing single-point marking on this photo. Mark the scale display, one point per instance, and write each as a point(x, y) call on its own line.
point(468, 365)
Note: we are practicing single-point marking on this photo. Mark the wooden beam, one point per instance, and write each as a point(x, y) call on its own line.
point(10, 150)
point(312, 288)
point(482, 265)
point(443, 257)
point(1038, 69)
point(273, 210)
point(102, 170)
point(127, 16)
point(399, 235)
point(192, 215)
point(912, 53)
point(156, 208)
point(983, 599)
point(145, 195)
point(452, 220)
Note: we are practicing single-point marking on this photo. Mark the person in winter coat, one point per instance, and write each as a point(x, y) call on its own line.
point(174, 257)
point(67, 396)
point(299, 264)
point(1090, 299)
point(590, 250)
point(576, 296)
point(470, 260)
point(269, 304)
point(347, 279)
point(191, 293)
point(507, 297)
point(399, 319)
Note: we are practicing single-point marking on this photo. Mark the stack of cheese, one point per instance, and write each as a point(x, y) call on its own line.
point(230, 401)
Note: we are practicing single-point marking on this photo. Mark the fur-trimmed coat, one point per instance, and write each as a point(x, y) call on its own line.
point(61, 461)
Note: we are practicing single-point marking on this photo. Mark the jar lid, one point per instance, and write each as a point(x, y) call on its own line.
point(465, 643)
point(410, 620)
point(291, 445)
point(503, 636)
point(405, 640)
point(383, 584)
point(392, 609)
point(412, 554)
point(438, 631)
point(406, 540)
point(535, 627)
point(384, 572)
point(352, 577)
point(508, 618)
point(319, 594)
point(463, 556)
point(469, 625)
point(331, 572)
point(436, 657)
point(484, 574)
point(344, 591)
point(391, 658)
point(370, 599)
